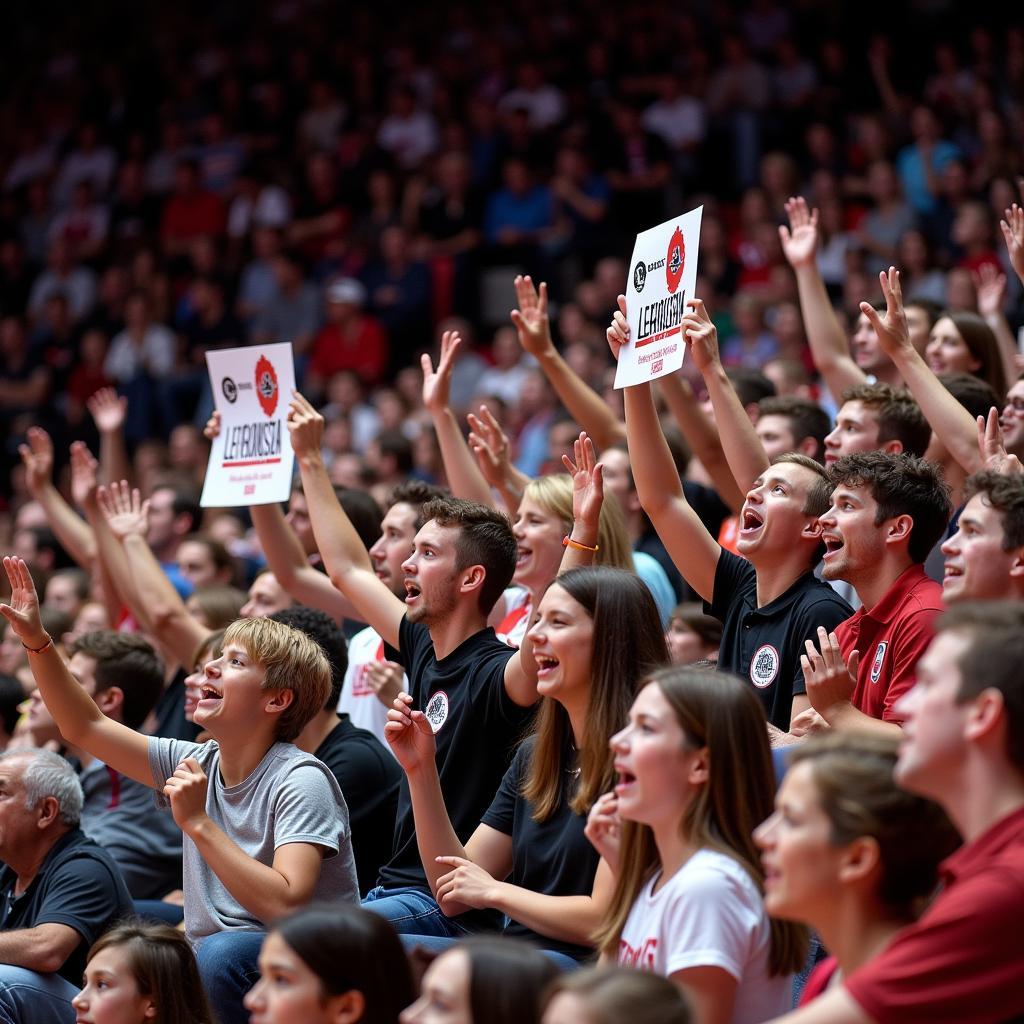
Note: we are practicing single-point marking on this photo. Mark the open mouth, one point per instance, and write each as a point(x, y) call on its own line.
point(751, 521)
point(546, 663)
point(626, 779)
point(832, 544)
point(412, 591)
point(522, 554)
point(951, 572)
point(209, 692)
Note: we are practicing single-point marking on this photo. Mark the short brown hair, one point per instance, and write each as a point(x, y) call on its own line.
point(1006, 495)
point(806, 418)
point(485, 538)
point(899, 417)
point(128, 662)
point(291, 662)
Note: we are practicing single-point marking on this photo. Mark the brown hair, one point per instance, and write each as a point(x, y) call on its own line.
point(1006, 495)
point(127, 661)
point(806, 419)
point(981, 342)
point(163, 966)
point(291, 662)
point(219, 605)
point(617, 994)
point(853, 774)
point(627, 643)
point(718, 711)
point(899, 417)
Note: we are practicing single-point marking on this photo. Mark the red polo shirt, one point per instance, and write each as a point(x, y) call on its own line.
point(964, 960)
point(891, 637)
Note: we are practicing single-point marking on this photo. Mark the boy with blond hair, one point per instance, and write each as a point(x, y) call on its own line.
point(265, 825)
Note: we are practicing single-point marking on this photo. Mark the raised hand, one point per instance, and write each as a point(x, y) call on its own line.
point(1012, 226)
point(409, 735)
point(123, 508)
point(701, 336)
point(808, 723)
point(107, 410)
point(37, 456)
point(22, 614)
point(212, 429)
point(437, 384)
point(618, 331)
point(467, 884)
point(84, 475)
point(990, 285)
point(490, 445)
point(800, 239)
point(531, 318)
point(830, 678)
point(892, 330)
point(587, 482)
point(992, 447)
point(305, 425)
point(604, 829)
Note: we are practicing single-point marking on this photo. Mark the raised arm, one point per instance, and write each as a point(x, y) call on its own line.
point(829, 345)
point(743, 449)
point(492, 450)
point(953, 424)
point(693, 550)
point(460, 467)
point(347, 562)
point(286, 557)
point(79, 720)
point(700, 434)
point(990, 286)
point(1012, 226)
point(68, 527)
point(177, 630)
point(108, 413)
point(583, 403)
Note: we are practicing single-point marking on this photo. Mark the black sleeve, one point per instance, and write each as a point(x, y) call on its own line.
point(827, 613)
point(488, 682)
point(501, 815)
point(411, 640)
point(79, 894)
point(731, 574)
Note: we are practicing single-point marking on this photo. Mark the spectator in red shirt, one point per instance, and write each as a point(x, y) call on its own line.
point(888, 512)
point(191, 211)
point(349, 340)
point(963, 746)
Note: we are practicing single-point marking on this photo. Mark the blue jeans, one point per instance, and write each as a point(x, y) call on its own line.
point(436, 944)
point(227, 966)
point(40, 998)
point(415, 912)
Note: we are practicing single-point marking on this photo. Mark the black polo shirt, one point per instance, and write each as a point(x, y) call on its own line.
point(763, 645)
point(78, 885)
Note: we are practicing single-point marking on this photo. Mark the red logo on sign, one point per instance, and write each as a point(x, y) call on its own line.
point(266, 385)
point(658, 366)
point(674, 260)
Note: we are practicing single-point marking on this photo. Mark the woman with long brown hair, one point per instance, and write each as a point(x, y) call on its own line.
point(695, 776)
point(597, 633)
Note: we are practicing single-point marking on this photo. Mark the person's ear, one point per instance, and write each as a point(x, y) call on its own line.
point(985, 714)
point(893, 447)
point(279, 700)
point(110, 701)
point(150, 1012)
point(812, 529)
point(1017, 568)
point(700, 768)
point(346, 1008)
point(899, 529)
point(860, 860)
point(809, 447)
point(472, 579)
point(49, 812)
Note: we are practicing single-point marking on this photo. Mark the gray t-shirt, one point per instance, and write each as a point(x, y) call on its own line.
point(291, 797)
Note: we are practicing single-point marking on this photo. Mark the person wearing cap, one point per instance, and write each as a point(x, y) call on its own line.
point(350, 339)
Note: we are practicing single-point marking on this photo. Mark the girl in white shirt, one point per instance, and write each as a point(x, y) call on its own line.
point(695, 778)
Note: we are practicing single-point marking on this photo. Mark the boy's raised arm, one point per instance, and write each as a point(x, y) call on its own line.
point(347, 562)
point(694, 551)
point(79, 720)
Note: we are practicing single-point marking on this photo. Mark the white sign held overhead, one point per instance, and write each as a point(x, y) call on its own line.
point(662, 279)
point(251, 461)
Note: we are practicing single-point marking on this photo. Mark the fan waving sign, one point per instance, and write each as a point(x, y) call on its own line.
point(251, 461)
point(662, 278)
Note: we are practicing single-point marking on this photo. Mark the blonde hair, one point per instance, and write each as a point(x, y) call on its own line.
point(292, 661)
point(554, 494)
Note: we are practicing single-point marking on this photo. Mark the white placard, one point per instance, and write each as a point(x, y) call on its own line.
point(251, 461)
point(662, 278)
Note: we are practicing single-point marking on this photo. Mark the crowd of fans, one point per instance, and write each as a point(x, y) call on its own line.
point(541, 701)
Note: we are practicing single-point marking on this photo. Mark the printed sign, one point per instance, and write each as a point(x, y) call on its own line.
point(662, 280)
point(251, 461)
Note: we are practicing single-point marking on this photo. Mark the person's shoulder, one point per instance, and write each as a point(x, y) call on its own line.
point(712, 872)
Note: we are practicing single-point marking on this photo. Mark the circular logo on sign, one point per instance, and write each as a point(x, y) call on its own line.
point(639, 276)
point(266, 385)
point(436, 711)
point(229, 389)
point(674, 260)
point(764, 666)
